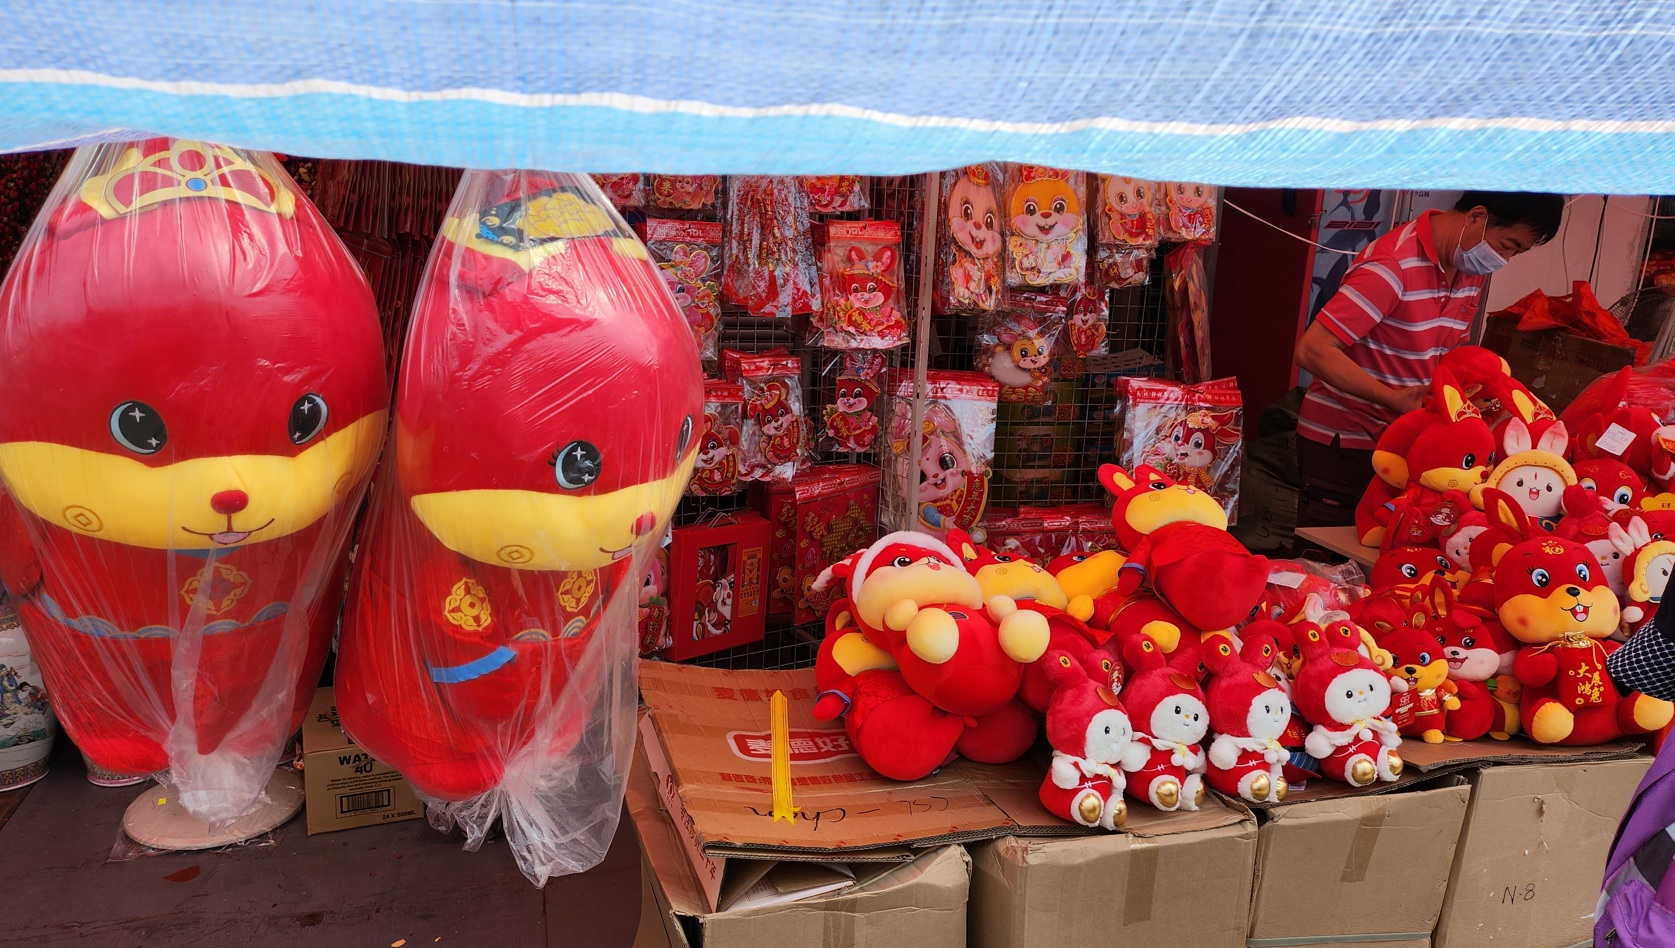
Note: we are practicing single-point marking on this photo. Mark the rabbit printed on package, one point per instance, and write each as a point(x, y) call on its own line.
point(488, 653)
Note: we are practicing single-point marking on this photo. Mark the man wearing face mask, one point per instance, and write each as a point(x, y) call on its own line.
point(1409, 297)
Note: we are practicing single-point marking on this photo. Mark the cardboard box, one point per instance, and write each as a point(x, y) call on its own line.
point(1530, 860)
point(1357, 868)
point(343, 786)
point(1555, 364)
point(705, 735)
point(920, 903)
point(1181, 879)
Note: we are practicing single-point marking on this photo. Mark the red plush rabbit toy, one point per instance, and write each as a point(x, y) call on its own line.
point(1429, 460)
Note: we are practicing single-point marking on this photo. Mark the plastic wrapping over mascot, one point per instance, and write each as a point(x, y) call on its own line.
point(547, 420)
point(195, 375)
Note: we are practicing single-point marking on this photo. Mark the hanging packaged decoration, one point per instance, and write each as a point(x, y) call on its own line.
point(835, 193)
point(852, 418)
point(688, 254)
point(1089, 313)
point(1189, 212)
point(1041, 534)
point(623, 190)
point(1015, 347)
point(969, 241)
point(947, 485)
point(654, 604)
point(1187, 295)
point(1127, 212)
point(194, 371)
point(819, 517)
point(717, 572)
point(775, 437)
point(548, 418)
point(715, 473)
point(1192, 433)
point(684, 192)
point(860, 283)
point(1046, 241)
point(768, 248)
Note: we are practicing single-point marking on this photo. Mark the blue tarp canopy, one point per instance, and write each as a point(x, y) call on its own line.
point(1556, 95)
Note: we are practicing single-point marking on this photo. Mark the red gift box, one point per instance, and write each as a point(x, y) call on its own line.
point(819, 517)
point(717, 585)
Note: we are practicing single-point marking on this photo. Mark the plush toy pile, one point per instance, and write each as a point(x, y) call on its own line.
point(1514, 549)
point(942, 650)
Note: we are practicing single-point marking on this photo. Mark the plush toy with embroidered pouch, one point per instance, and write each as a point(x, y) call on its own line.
point(1479, 655)
point(1092, 738)
point(1178, 543)
point(1249, 713)
point(1422, 695)
point(1533, 472)
point(1429, 460)
point(195, 381)
point(1346, 697)
point(1170, 719)
point(1551, 596)
point(894, 729)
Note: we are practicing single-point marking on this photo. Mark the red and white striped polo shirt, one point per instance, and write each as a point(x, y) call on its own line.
point(1398, 314)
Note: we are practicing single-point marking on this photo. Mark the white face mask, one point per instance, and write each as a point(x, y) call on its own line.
point(1481, 259)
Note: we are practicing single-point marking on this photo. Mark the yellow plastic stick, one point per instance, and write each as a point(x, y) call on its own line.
point(780, 710)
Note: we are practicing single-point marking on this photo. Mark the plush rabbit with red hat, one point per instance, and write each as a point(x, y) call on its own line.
point(1533, 471)
point(1249, 713)
point(1092, 739)
point(1645, 573)
point(1170, 720)
point(1346, 697)
point(1552, 596)
point(1429, 460)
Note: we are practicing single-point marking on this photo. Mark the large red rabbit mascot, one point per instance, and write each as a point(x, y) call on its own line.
point(196, 394)
point(547, 420)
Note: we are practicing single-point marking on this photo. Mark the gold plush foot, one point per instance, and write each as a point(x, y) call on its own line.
point(933, 635)
point(1552, 723)
point(1500, 735)
point(1433, 737)
point(1119, 813)
point(1281, 788)
point(1024, 636)
point(1394, 761)
point(1260, 785)
point(1362, 772)
point(1166, 795)
point(1089, 808)
point(1198, 796)
point(1651, 715)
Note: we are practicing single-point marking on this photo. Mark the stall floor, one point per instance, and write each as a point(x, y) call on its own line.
point(403, 884)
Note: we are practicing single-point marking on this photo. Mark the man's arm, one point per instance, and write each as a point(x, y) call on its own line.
point(1322, 353)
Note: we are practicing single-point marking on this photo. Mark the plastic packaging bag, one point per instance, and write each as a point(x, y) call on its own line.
point(1127, 234)
point(948, 484)
point(1015, 348)
point(1046, 239)
point(775, 438)
point(769, 248)
point(1189, 212)
point(969, 241)
point(684, 192)
point(547, 421)
point(852, 418)
point(654, 603)
point(835, 193)
point(716, 471)
point(1192, 433)
point(688, 254)
point(1089, 319)
point(1187, 295)
point(623, 190)
point(195, 375)
point(860, 284)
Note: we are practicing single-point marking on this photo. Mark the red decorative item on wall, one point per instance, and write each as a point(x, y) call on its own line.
point(717, 588)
